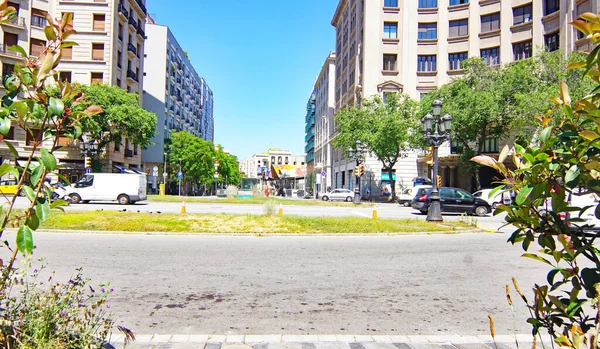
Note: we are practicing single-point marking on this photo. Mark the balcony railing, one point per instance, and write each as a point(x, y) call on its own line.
point(5, 51)
point(141, 5)
point(132, 75)
point(128, 153)
point(141, 32)
point(17, 21)
point(123, 11)
point(132, 49)
point(133, 23)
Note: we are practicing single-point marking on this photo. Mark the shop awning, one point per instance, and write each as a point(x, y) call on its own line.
point(386, 176)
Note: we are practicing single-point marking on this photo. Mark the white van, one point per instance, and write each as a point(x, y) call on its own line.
point(126, 188)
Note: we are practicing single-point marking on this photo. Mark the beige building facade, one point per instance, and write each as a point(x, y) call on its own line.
point(413, 46)
point(110, 37)
point(257, 164)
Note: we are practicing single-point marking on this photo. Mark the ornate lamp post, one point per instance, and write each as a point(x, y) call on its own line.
point(357, 153)
point(437, 131)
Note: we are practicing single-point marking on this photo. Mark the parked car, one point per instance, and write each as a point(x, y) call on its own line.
point(590, 221)
point(453, 200)
point(406, 195)
point(126, 188)
point(497, 199)
point(338, 195)
point(8, 187)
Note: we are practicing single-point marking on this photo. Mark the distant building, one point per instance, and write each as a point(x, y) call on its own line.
point(309, 129)
point(255, 166)
point(173, 90)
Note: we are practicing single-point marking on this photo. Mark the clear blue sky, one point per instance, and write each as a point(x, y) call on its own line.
point(260, 58)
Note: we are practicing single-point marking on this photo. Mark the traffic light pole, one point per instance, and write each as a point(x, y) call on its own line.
point(357, 187)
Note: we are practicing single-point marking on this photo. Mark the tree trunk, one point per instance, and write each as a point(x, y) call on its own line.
point(477, 180)
point(393, 183)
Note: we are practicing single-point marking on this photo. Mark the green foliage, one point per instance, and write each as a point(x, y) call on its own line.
point(387, 129)
point(563, 163)
point(197, 160)
point(121, 115)
point(50, 314)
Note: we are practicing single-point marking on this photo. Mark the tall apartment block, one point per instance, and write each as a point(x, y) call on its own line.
point(309, 130)
point(324, 91)
point(413, 46)
point(110, 37)
point(173, 90)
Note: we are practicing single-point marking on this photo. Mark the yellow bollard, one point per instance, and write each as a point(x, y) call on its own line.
point(280, 213)
point(374, 213)
point(183, 207)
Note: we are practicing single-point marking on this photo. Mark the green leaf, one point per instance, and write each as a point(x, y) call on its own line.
point(28, 192)
point(33, 221)
point(50, 34)
point(545, 134)
point(36, 174)
point(42, 210)
point(56, 106)
point(572, 176)
point(5, 168)
point(25, 240)
point(18, 49)
point(5, 124)
point(48, 159)
point(575, 306)
point(537, 258)
point(524, 194)
point(58, 204)
point(39, 111)
point(20, 108)
point(12, 149)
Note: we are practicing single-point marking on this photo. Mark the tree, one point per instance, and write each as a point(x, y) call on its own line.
point(497, 103)
point(122, 115)
point(386, 128)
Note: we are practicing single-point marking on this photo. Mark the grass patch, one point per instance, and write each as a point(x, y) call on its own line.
point(251, 201)
point(251, 224)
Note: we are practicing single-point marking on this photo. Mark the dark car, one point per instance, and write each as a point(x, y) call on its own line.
point(453, 200)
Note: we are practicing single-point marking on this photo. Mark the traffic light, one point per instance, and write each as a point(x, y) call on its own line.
point(429, 156)
point(357, 171)
point(88, 162)
point(361, 170)
point(439, 181)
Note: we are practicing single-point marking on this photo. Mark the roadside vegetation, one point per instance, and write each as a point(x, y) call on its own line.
point(240, 224)
point(251, 201)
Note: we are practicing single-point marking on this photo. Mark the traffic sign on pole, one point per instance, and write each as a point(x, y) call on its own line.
point(179, 175)
point(323, 174)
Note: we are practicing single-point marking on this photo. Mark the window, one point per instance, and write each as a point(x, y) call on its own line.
point(67, 53)
point(522, 14)
point(427, 31)
point(97, 78)
point(447, 193)
point(459, 28)
point(65, 76)
point(458, 2)
point(85, 181)
point(99, 22)
point(455, 60)
point(390, 30)
point(119, 59)
point(552, 41)
point(491, 55)
point(461, 194)
point(551, 6)
point(428, 4)
point(36, 47)
point(7, 69)
point(118, 82)
point(491, 145)
point(98, 52)
point(490, 22)
point(390, 3)
point(522, 50)
point(389, 62)
point(120, 32)
point(38, 18)
point(118, 143)
point(426, 63)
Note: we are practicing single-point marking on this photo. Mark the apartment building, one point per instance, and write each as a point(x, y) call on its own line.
point(309, 129)
point(110, 37)
point(173, 90)
point(413, 46)
point(257, 164)
point(324, 91)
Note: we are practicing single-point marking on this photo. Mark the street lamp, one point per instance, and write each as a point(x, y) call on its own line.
point(357, 153)
point(179, 175)
point(437, 131)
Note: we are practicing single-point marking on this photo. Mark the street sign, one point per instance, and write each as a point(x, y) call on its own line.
point(88, 170)
point(323, 174)
point(179, 175)
point(155, 171)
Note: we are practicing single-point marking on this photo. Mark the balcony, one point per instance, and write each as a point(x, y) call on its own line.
point(141, 32)
point(133, 23)
point(4, 51)
point(128, 153)
point(123, 12)
point(132, 75)
point(18, 22)
point(131, 50)
point(141, 6)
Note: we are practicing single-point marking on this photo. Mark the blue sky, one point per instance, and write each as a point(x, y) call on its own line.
point(260, 58)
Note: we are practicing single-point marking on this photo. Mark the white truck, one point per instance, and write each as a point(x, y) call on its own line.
point(126, 188)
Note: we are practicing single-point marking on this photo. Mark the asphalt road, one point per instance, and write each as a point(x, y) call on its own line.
point(438, 284)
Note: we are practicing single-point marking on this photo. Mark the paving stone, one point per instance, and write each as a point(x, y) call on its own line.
point(178, 338)
point(188, 345)
point(444, 338)
point(309, 345)
point(399, 339)
point(285, 345)
point(425, 346)
point(254, 338)
point(471, 346)
point(212, 345)
point(332, 345)
point(402, 345)
point(236, 346)
point(345, 338)
point(198, 338)
point(448, 346)
point(299, 338)
point(327, 338)
point(272, 338)
point(417, 339)
point(260, 346)
point(143, 338)
point(217, 338)
point(161, 338)
point(382, 338)
point(234, 338)
point(375, 345)
point(363, 338)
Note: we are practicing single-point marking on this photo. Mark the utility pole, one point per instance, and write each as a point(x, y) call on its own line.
point(179, 175)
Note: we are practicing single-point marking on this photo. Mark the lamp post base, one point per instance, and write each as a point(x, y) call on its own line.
point(434, 213)
point(356, 196)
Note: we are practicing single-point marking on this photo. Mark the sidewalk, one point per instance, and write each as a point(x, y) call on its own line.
point(191, 341)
